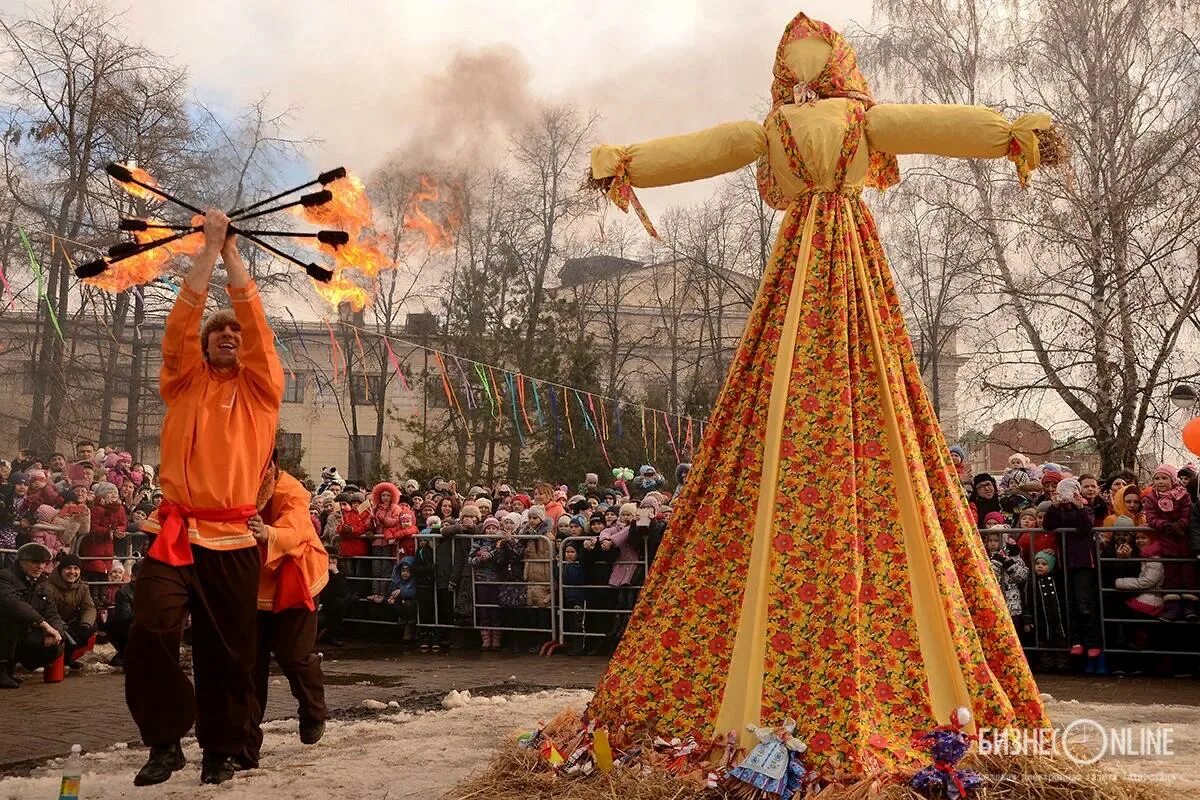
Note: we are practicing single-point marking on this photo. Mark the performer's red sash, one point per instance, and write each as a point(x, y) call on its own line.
point(172, 545)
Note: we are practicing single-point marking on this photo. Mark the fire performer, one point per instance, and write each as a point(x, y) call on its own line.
point(222, 389)
point(295, 569)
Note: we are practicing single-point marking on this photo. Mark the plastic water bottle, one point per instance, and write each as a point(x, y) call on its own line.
point(70, 775)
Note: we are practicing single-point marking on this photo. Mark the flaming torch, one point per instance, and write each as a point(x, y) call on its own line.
point(152, 236)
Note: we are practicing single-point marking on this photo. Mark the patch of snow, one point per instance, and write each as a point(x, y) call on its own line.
point(374, 705)
point(456, 699)
point(441, 749)
point(393, 704)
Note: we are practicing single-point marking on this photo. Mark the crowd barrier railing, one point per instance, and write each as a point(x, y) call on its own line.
point(446, 578)
point(437, 599)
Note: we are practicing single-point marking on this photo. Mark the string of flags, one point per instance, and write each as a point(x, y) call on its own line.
point(525, 401)
point(507, 393)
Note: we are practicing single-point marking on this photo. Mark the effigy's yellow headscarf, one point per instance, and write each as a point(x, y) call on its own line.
point(840, 77)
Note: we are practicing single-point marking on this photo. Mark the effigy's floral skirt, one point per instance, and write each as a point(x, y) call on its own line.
point(820, 563)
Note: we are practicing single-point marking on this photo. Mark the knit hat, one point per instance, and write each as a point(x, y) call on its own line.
point(35, 474)
point(513, 517)
point(68, 560)
point(1162, 469)
point(1047, 556)
point(34, 551)
point(46, 513)
point(538, 511)
point(476, 491)
point(1069, 487)
point(596, 518)
point(647, 470)
point(504, 489)
point(1052, 477)
point(471, 511)
point(523, 499)
point(957, 450)
point(579, 520)
point(1123, 522)
point(994, 518)
point(491, 524)
point(103, 488)
point(564, 521)
point(591, 477)
point(215, 322)
point(433, 523)
point(484, 505)
point(411, 486)
point(629, 508)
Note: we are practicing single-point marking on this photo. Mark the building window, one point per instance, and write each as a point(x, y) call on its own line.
point(289, 446)
point(364, 446)
point(293, 387)
point(365, 389)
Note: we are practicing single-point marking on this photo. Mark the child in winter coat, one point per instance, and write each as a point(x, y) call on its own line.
point(402, 595)
point(1047, 626)
point(386, 521)
point(573, 577)
point(1073, 519)
point(1149, 581)
point(485, 569)
point(1011, 574)
point(1168, 509)
point(1021, 473)
point(627, 572)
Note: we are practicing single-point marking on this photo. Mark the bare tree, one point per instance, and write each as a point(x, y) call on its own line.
point(1092, 272)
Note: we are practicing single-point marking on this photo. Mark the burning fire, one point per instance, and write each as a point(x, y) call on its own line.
point(343, 290)
point(147, 266)
point(139, 191)
point(351, 211)
point(417, 218)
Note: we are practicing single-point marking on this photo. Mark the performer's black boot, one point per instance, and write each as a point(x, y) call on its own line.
point(311, 732)
point(217, 768)
point(164, 760)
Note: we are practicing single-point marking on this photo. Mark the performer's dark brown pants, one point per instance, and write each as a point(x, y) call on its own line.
point(220, 591)
point(290, 636)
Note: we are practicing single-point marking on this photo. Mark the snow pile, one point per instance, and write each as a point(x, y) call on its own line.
point(374, 705)
point(402, 755)
point(456, 699)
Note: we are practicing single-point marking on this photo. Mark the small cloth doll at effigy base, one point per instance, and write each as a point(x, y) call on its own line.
point(772, 769)
point(947, 744)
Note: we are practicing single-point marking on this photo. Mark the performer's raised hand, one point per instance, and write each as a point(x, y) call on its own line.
point(216, 228)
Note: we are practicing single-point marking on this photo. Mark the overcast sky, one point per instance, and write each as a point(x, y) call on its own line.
point(366, 76)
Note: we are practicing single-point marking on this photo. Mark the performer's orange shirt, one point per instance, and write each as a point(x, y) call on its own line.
point(290, 534)
point(219, 429)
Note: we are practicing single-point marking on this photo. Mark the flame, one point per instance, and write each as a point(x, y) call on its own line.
point(139, 191)
point(350, 210)
point(343, 290)
point(417, 218)
point(146, 267)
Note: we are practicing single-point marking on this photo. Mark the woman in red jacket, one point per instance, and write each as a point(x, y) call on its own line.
point(386, 513)
point(109, 522)
point(354, 539)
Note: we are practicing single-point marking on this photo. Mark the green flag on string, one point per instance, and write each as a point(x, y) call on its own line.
point(41, 288)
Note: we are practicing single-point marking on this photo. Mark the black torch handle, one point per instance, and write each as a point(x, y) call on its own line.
point(316, 271)
point(323, 179)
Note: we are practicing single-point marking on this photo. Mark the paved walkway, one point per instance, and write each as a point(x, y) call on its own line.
point(41, 721)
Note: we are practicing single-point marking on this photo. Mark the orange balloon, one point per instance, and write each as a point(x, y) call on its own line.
point(1191, 435)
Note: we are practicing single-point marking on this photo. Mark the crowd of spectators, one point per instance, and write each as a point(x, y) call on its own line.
point(1082, 562)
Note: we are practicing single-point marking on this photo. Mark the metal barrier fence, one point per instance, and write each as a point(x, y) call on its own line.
point(505, 595)
point(591, 605)
point(459, 589)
